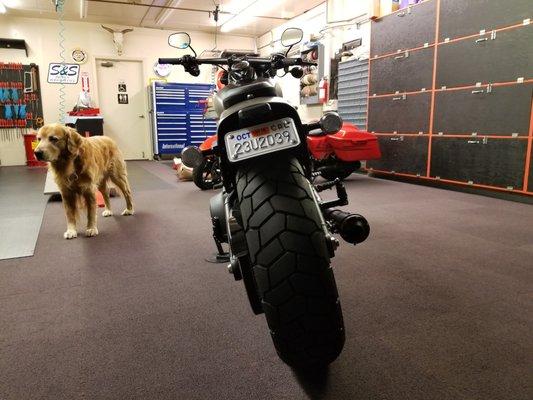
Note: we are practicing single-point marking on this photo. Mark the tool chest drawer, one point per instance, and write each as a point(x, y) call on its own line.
point(408, 71)
point(197, 95)
point(460, 18)
point(406, 29)
point(200, 128)
point(172, 96)
point(402, 154)
point(504, 57)
point(172, 131)
point(169, 98)
point(485, 110)
point(482, 160)
point(399, 113)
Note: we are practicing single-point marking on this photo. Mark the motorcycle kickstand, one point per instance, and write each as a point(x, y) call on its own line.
point(221, 257)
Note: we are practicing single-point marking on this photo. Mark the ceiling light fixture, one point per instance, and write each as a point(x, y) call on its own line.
point(247, 14)
point(83, 9)
point(3, 8)
point(164, 14)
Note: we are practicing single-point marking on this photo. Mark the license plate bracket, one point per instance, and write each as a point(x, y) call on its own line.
point(261, 139)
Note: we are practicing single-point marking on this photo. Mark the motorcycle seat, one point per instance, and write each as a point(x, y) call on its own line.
point(232, 94)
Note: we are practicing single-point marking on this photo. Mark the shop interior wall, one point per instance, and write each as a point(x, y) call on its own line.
point(41, 36)
point(332, 36)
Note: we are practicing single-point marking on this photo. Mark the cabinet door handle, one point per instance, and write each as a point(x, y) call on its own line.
point(478, 91)
point(480, 40)
point(403, 56)
point(403, 97)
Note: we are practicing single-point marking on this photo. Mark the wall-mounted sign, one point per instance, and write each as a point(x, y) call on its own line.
point(63, 73)
point(78, 55)
point(85, 86)
point(122, 98)
point(122, 87)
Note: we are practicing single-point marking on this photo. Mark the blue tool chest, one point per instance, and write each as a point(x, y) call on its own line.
point(177, 116)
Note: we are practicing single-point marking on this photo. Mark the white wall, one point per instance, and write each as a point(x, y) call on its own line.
point(314, 23)
point(41, 36)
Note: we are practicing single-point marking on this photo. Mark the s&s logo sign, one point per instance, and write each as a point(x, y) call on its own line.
point(63, 73)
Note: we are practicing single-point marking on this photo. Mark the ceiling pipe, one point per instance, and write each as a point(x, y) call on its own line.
point(181, 8)
point(145, 14)
point(163, 15)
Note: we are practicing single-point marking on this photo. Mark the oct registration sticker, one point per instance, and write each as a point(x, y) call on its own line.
point(261, 139)
point(63, 73)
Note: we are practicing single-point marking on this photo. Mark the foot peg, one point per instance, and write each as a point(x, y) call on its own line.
point(342, 197)
point(353, 228)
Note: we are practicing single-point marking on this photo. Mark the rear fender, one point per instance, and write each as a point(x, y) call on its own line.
point(230, 121)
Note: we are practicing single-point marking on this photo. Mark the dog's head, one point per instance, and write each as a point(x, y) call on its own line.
point(57, 141)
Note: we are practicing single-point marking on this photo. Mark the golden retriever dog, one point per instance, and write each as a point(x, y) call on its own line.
point(81, 166)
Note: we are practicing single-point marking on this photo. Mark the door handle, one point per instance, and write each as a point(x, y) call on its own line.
point(141, 116)
point(401, 57)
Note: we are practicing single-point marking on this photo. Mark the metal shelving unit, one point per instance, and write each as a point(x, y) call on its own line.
point(353, 92)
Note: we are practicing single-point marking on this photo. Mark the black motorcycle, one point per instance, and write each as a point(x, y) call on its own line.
point(278, 228)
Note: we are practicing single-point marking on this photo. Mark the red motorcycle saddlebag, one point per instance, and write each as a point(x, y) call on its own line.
point(319, 146)
point(351, 144)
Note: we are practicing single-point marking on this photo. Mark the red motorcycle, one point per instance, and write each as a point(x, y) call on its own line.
point(339, 154)
point(336, 155)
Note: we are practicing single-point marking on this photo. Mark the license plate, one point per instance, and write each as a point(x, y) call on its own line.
point(261, 139)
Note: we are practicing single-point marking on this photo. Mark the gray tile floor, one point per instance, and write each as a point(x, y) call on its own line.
point(22, 206)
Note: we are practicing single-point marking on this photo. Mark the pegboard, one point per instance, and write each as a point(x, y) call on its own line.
point(20, 100)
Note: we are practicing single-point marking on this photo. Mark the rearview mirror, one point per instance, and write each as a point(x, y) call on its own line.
point(291, 36)
point(179, 40)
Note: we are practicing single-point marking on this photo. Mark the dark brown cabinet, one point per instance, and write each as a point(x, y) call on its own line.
point(402, 154)
point(408, 71)
point(460, 18)
point(530, 184)
point(470, 94)
point(481, 160)
point(405, 29)
point(499, 110)
point(400, 113)
point(503, 57)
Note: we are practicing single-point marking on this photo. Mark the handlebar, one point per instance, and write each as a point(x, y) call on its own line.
point(254, 61)
point(173, 61)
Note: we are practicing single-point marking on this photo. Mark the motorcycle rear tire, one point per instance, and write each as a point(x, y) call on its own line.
point(199, 175)
point(290, 261)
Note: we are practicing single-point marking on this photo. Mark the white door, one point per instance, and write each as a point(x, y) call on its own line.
point(121, 96)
